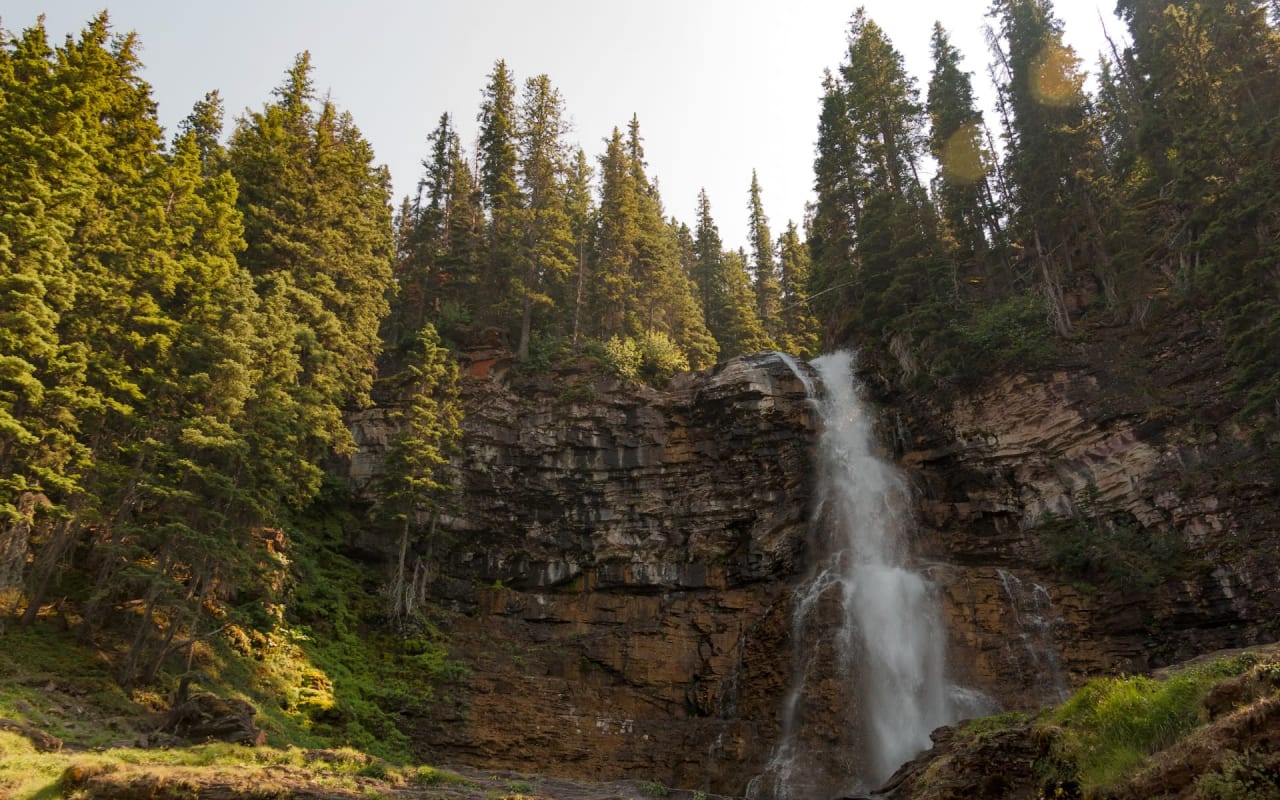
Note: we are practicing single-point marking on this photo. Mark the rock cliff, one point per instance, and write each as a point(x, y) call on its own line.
point(614, 569)
point(1107, 517)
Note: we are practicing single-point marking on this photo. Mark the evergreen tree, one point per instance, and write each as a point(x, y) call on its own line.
point(839, 185)
point(46, 182)
point(500, 190)
point(725, 290)
point(799, 328)
point(139, 250)
point(969, 214)
point(580, 206)
point(416, 466)
point(874, 234)
point(420, 237)
point(318, 227)
point(1203, 180)
point(546, 236)
point(665, 298)
point(612, 287)
point(463, 253)
point(1053, 158)
point(767, 291)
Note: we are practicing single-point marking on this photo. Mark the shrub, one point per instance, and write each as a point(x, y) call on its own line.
point(653, 357)
point(622, 357)
point(1112, 724)
point(660, 357)
point(1243, 777)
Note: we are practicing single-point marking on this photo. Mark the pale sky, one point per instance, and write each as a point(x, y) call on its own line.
point(720, 86)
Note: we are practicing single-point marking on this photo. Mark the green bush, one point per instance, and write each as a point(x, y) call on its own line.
point(1014, 331)
point(653, 357)
point(1109, 551)
point(1109, 727)
point(660, 357)
point(622, 357)
point(1242, 777)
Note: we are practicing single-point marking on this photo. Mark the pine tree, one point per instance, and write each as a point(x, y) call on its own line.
point(500, 190)
point(318, 227)
point(839, 184)
point(421, 237)
point(580, 206)
point(724, 288)
point(1053, 159)
point(764, 271)
point(546, 237)
point(665, 302)
point(46, 181)
point(969, 214)
point(874, 233)
point(800, 331)
point(416, 466)
point(463, 254)
point(612, 288)
point(1204, 183)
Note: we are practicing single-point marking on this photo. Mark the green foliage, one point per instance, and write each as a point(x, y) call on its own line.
point(373, 674)
point(724, 289)
point(764, 270)
point(1111, 725)
point(1110, 552)
point(652, 358)
point(986, 727)
point(660, 357)
point(799, 328)
point(1010, 333)
point(545, 351)
point(622, 357)
point(1244, 776)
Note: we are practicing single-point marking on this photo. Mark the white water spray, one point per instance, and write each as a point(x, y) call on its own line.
point(889, 642)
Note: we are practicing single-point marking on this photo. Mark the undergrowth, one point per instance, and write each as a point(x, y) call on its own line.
point(1107, 729)
point(1109, 551)
point(323, 668)
point(29, 775)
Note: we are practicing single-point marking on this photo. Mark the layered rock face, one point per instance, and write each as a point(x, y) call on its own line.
point(614, 569)
point(1108, 518)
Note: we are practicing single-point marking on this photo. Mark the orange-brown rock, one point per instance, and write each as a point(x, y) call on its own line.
point(616, 561)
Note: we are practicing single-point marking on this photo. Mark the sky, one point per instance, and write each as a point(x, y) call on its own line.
point(721, 87)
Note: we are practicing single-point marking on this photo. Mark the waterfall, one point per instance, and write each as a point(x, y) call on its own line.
point(868, 682)
point(1033, 614)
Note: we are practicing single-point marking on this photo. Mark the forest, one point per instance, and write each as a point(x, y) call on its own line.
point(185, 322)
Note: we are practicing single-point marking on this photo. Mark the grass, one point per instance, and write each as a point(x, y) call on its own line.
point(987, 727)
point(1108, 729)
point(26, 774)
point(64, 689)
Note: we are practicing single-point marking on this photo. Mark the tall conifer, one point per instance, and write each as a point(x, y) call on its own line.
point(763, 268)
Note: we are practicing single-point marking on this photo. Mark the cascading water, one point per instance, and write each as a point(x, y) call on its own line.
point(862, 701)
point(1033, 614)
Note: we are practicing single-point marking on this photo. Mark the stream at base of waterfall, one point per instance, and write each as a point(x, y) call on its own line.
point(869, 681)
